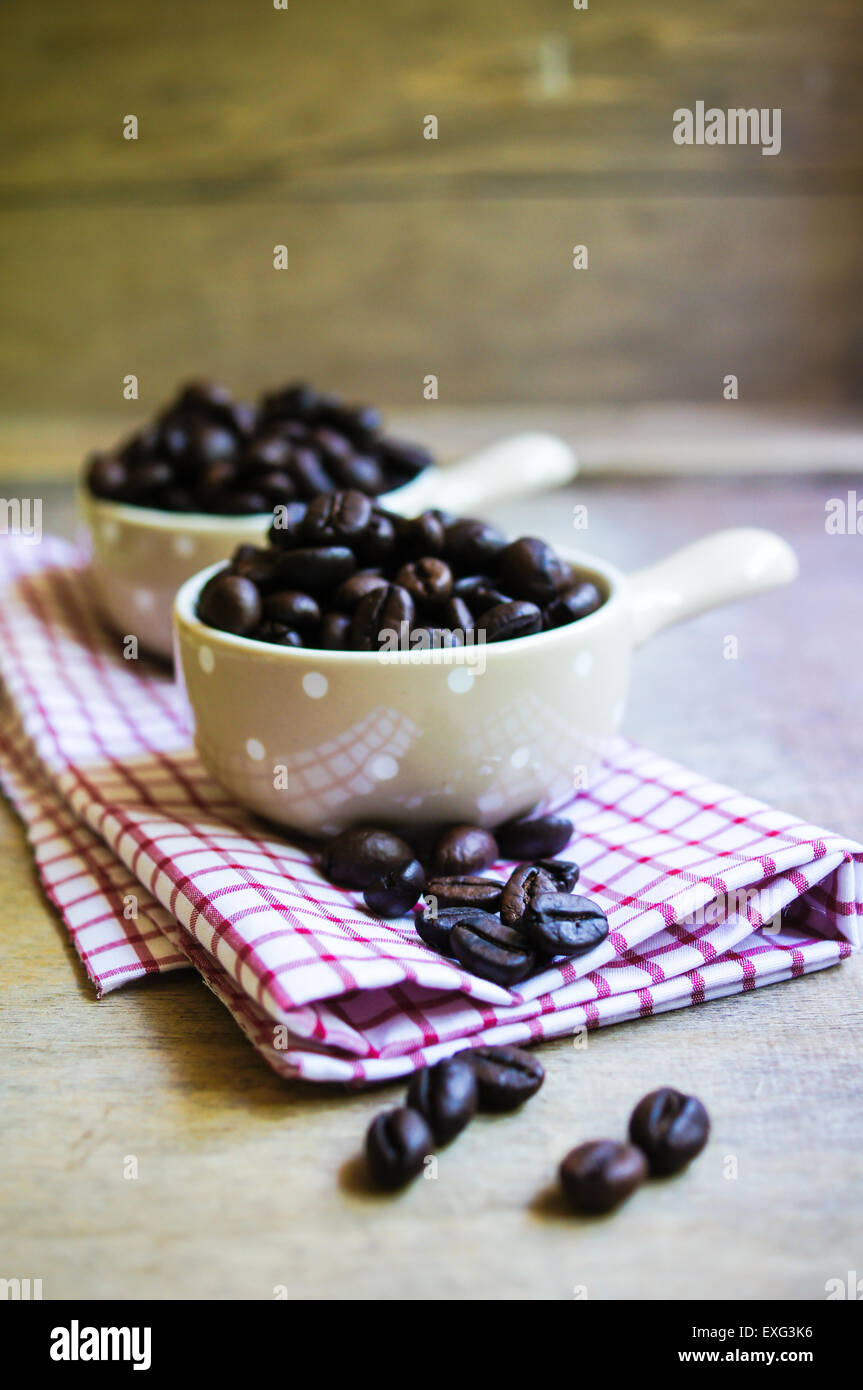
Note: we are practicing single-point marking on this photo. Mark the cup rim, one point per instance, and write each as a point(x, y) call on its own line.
point(185, 616)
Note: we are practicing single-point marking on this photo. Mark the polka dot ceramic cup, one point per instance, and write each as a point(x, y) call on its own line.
point(320, 740)
point(140, 556)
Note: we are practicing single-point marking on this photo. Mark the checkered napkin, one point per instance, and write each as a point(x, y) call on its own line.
point(708, 892)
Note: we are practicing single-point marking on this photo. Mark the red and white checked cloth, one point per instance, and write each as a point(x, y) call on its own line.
point(152, 868)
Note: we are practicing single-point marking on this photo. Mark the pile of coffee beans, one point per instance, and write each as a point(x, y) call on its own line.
point(667, 1130)
point(441, 1101)
point(341, 573)
point(500, 931)
point(206, 452)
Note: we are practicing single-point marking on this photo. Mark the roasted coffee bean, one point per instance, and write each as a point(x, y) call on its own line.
point(471, 545)
point(149, 479)
point(268, 451)
point(243, 502)
point(598, 1176)
point(378, 541)
point(230, 603)
point(435, 926)
point(354, 590)
point(287, 520)
point(396, 1144)
point(529, 880)
point(465, 890)
point(505, 1076)
point(384, 615)
point(538, 838)
point(404, 460)
point(395, 892)
point(488, 948)
point(427, 580)
point(309, 473)
point(336, 518)
point(457, 616)
point(446, 1095)
point(331, 443)
point(360, 471)
point(508, 620)
point(107, 476)
point(564, 924)
point(208, 397)
point(359, 422)
point(530, 569)
point(357, 857)
point(573, 604)
point(210, 443)
point(278, 633)
point(421, 535)
point(316, 570)
point(293, 608)
point(335, 633)
point(670, 1127)
point(464, 849)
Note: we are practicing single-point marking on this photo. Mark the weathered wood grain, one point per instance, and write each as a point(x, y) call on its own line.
point(247, 1183)
point(409, 256)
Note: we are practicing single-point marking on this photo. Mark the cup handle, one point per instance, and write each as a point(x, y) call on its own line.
point(513, 467)
point(724, 566)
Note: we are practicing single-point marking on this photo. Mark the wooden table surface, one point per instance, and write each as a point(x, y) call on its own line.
point(247, 1184)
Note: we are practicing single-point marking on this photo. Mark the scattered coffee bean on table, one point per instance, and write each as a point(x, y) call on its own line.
point(564, 924)
point(357, 857)
point(435, 928)
point(206, 452)
point(464, 849)
point(464, 890)
point(345, 575)
point(396, 1143)
point(506, 1076)
point(671, 1128)
point(529, 880)
point(446, 1095)
point(596, 1177)
point(395, 892)
point(540, 837)
point(488, 948)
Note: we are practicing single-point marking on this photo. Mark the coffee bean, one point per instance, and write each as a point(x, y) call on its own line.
point(336, 518)
point(384, 614)
point(354, 590)
point(357, 857)
point(598, 1176)
point(464, 849)
point(335, 633)
point(421, 535)
point(457, 616)
point(446, 1096)
point(360, 471)
point(529, 880)
point(107, 476)
point(309, 473)
point(285, 530)
point(396, 1144)
point(508, 620)
point(404, 461)
point(541, 837)
point(572, 604)
point(230, 603)
point(278, 633)
point(670, 1127)
point(465, 890)
point(293, 608)
point(488, 948)
point(427, 580)
point(471, 545)
point(378, 540)
point(395, 892)
point(434, 925)
point(564, 924)
point(211, 442)
point(530, 569)
point(316, 570)
point(505, 1076)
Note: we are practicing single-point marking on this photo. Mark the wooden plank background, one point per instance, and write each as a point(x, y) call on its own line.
point(407, 256)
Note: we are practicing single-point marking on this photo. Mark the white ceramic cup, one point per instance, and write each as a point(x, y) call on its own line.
point(141, 556)
point(321, 740)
